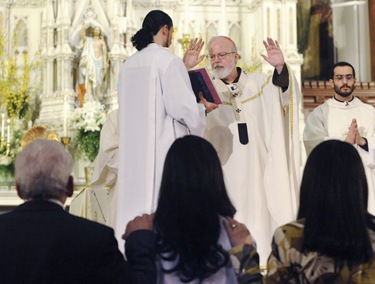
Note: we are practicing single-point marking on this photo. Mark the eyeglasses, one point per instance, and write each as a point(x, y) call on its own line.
point(220, 56)
point(340, 77)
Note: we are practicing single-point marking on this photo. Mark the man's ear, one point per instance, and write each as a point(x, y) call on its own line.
point(165, 30)
point(70, 187)
point(18, 190)
point(331, 82)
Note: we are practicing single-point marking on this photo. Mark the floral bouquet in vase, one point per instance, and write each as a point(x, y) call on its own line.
point(88, 120)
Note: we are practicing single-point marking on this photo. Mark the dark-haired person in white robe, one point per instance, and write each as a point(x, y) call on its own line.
point(156, 106)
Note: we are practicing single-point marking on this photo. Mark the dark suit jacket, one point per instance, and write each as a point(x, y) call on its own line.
point(42, 243)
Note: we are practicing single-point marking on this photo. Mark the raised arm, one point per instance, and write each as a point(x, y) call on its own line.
point(274, 55)
point(191, 57)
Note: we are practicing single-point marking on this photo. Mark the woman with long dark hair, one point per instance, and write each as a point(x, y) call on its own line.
point(193, 221)
point(332, 241)
point(191, 199)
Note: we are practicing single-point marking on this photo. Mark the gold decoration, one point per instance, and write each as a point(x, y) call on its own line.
point(52, 135)
point(185, 41)
point(33, 133)
point(38, 131)
point(65, 140)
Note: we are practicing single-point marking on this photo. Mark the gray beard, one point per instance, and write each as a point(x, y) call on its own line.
point(221, 74)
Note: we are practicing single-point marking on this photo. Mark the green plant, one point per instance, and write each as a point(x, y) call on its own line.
point(88, 144)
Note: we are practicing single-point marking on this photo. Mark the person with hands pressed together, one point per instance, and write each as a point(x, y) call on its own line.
point(347, 118)
point(255, 132)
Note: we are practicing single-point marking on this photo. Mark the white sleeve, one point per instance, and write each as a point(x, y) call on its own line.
point(179, 98)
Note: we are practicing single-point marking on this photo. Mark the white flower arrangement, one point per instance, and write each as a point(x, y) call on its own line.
point(88, 120)
point(8, 155)
point(90, 117)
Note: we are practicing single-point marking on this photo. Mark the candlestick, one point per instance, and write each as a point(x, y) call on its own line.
point(8, 132)
point(185, 41)
point(65, 141)
point(2, 144)
point(2, 125)
point(7, 153)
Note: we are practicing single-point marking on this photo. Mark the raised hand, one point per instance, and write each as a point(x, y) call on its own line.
point(274, 55)
point(192, 57)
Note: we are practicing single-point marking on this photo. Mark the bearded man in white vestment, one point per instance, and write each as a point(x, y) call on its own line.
point(156, 106)
point(345, 117)
point(255, 132)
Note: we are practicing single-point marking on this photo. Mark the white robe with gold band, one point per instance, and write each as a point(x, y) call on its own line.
point(262, 177)
point(332, 119)
point(106, 166)
point(156, 106)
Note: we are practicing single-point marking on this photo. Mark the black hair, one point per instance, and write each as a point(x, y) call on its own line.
point(341, 64)
point(333, 203)
point(152, 24)
point(191, 199)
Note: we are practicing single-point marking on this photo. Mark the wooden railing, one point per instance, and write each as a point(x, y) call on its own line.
point(317, 92)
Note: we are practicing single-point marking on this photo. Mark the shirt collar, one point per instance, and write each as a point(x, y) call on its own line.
point(347, 103)
point(56, 201)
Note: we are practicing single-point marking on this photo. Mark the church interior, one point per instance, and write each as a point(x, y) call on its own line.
point(42, 51)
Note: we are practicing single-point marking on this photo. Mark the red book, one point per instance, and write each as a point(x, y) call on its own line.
point(201, 82)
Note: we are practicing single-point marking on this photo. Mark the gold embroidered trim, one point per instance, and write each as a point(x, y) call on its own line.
point(253, 97)
point(260, 93)
point(291, 103)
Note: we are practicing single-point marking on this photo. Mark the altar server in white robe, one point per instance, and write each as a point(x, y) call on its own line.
point(156, 106)
point(345, 117)
point(255, 132)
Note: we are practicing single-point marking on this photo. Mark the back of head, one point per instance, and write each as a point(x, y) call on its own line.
point(340, 64)
point(152, 23)
point(42, 170)
point(191, 198)
point(333, 202)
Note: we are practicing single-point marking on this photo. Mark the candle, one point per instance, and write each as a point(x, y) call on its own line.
point(186, 23)
point(8, 133)
point(65, 125)
point(2, 125)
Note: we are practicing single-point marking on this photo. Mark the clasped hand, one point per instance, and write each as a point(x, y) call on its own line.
point(354, 137)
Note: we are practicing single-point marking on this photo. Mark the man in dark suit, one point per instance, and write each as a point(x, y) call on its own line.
point(42, 243)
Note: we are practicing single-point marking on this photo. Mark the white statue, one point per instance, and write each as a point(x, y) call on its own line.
point(93, 64)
